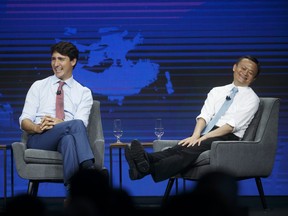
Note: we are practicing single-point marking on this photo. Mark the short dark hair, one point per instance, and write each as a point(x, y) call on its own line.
point(253, 59)
point(67, 49)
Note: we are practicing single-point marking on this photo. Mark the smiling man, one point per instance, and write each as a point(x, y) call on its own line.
point(65, 133)
point(231, 125)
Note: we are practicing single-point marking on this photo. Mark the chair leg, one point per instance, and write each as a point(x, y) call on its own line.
point(167, 190)
point(261, 192)
point(33, 188)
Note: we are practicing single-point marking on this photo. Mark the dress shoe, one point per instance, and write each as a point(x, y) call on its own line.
point(102, 171)
point(66, 202)
point(133, 172)
point(93, 167)
point(105, 173)
point(140, 157)
point(137, 160)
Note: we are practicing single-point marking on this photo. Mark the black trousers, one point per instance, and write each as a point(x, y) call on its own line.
point(172, 161)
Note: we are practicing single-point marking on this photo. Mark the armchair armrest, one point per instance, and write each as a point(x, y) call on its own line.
point(18, 153)
point(243, 157)
point(160, 145)
point(98, 149)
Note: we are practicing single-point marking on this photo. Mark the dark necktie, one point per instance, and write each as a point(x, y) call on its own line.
point(222, 110)
point(60, 101)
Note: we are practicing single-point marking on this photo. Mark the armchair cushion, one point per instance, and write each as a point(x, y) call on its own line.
point(203, 159)
point(42, 156)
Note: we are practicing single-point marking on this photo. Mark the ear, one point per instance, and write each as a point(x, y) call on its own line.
point(234, 67)
point(73, 62)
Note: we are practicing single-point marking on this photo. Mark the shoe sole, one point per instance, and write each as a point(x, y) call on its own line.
point(138, 155)
point(133, 173)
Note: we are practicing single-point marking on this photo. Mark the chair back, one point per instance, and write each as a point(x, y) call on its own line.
point(250, 132)
point(24, 137)
point(95, 134)
point(267, 132)
point(268, 125)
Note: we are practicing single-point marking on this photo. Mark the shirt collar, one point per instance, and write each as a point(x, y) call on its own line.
point(68, 82)
point(240, 88)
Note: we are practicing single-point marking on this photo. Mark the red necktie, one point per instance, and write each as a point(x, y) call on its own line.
point(60, 101)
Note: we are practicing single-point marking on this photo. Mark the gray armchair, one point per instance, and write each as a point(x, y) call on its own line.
point(253, 157)
point(46, 166)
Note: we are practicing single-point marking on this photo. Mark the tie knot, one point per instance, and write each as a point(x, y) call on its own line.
point(61, 83)
point(234, 90)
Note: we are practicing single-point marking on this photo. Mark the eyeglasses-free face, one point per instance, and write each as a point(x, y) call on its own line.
point(244, 72)
point(62, 65)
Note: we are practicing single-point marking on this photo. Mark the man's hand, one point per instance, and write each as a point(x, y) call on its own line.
point(48, 122)
point(191, 141)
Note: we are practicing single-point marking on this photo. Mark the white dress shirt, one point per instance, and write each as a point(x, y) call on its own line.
point(41, 100)
point(240, 113)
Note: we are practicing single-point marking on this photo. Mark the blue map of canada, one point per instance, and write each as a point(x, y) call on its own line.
point(107, 70)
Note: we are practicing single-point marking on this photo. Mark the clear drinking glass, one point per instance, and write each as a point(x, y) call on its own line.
point(117, 129)
point(159, 129)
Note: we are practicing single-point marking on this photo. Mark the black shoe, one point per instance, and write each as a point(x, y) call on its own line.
point(93, 167)
point(105, 173)
point(140, 157)
point(133, 172)
point(68, 189)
